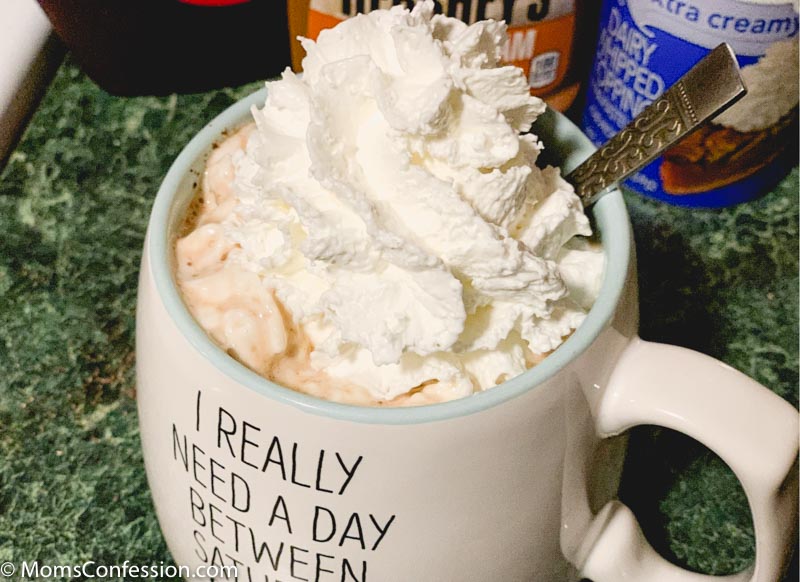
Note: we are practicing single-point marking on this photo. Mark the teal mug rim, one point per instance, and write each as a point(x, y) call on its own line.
point(569, 145)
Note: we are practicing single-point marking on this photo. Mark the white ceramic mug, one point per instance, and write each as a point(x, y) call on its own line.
point(513, 484)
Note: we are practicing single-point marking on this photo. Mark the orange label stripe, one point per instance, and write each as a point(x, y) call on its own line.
point(551, 37)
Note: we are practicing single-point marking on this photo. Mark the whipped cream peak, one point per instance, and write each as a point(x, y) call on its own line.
point(390, 200)
point(767, 99)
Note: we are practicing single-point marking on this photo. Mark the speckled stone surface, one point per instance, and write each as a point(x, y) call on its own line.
point(74, 201)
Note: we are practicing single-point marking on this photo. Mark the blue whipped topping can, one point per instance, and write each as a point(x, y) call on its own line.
point(644, 46)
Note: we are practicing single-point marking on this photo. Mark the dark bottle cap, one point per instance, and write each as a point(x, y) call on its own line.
point(155, 47)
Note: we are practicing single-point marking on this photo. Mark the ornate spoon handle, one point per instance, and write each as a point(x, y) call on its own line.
point(712, 85)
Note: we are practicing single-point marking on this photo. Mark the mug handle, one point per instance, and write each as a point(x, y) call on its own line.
point(752, 429)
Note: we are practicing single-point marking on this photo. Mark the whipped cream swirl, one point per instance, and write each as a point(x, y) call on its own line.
point(772, 89)
point(390, 199)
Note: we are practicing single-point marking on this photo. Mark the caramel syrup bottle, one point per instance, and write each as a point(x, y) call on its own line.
point(552, 41)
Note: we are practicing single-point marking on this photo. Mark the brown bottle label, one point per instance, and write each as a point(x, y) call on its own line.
point(540, 32)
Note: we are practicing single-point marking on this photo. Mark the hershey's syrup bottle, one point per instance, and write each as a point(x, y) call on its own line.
point(552, 41)
point(156, 47)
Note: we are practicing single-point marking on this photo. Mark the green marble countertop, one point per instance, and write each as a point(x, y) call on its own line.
point(74, 201)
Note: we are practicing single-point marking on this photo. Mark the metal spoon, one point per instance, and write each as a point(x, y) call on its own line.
point(710, 87)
